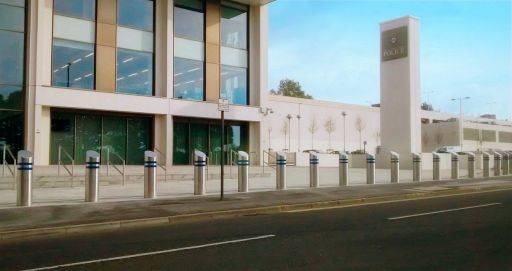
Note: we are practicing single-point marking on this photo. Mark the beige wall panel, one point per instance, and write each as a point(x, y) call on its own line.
point(212, 82)
point(213, 22)
point(107, 12)
point(105, 68)
point(212, 53)
point(106, 34)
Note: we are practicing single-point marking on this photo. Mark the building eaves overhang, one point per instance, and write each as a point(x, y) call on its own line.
point(253, 2)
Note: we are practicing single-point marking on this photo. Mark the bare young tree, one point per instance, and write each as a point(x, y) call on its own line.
point(313, 127)
point(330, 127)
point(439, 139)
point(360, 126)
point(377, 138)
point(284, 130)
point(425, 140)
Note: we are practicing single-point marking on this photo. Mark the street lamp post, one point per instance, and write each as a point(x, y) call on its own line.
point(461, 125)
point(344, 114)
point(298, 134)
point(289, 117)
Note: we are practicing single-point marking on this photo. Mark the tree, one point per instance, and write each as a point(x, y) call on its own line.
point(439, 138)
point(425, 140)
point(377, 137)
point(427, 107)
point(313, 127)
point(360, 126)
point(288, 87)
point(330, 127)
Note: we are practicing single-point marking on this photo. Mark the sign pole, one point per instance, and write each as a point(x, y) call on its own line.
point(222, 155)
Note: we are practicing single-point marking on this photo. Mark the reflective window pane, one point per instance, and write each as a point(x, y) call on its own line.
point(72, 64)
point(188, 79)
point(63, 135)
point(11, 97)
point(233, 29)
point(190, 4)
point(188, 24)
point(136, 14)
point(139, 134)
point(181, 154)
point(12, 18)
point(11, 57)
point(88, 136)
point(11, 130)
point(18, 3)
point(134, 72)
point(114, 139)
point(234, 84)
point(84, 9)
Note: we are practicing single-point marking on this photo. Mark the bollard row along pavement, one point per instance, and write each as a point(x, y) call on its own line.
point(502, 165)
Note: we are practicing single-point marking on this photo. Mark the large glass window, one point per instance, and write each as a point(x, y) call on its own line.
point(234, 26)
point(234, 55)
point(125, 137)
point(73, 43)
point(234, 84)
point(12, 55)
point(188, 79)
point(134, 72)
point(189, 49)
point(73, 64)
point(189, 19)
point(136, 14)
point(84, 9)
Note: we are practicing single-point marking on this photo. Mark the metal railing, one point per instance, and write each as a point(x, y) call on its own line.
point(6, 151)
point(121, 171)
point(71, 171)
point(163, 161)
point(267, 163)
point(233, 156)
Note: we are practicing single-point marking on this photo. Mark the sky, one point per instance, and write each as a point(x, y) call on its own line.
point(332, 48)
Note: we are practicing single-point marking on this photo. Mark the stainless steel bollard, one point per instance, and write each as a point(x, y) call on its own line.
point(395, 167)
point(150, 166)
point(416, 167)
point(504, 163)
point(343, 169)
point(243, 171)
point(455, 165)
point(436, 166)
point(199, 173)
point(92, 172)
point(313, 170)
point(471, 165)
point(486, 159)
point(281, 171)
point(370, 169)
point(24, 178)
point(497, 164)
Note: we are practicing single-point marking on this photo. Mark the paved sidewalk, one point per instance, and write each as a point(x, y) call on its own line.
point(79, 214)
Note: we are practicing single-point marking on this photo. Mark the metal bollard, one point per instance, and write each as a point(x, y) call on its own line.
point(92, 172)
point(471, 165)
point(416, 167)
point(497, 164)
point(150, 166)
point(504, 163)
point(436, 166)
point(199, 173)
point(370, 169)
point(243, 171)
point(486, 158)
point(455, 165)
point(343, 169)
point(281, 171)
point(24, 178)
point(313, 169)
point(395, 167)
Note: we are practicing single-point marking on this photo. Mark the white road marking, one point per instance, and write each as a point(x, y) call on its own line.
point(444, 211)
point(153, 253)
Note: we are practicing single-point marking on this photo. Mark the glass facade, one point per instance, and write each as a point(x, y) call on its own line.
point(126, 137)
point(73, 44)
point(12, 70)
point(73, 64)
point(205, 136)
point(189, 50)
point(234, 53)
point(135, 47)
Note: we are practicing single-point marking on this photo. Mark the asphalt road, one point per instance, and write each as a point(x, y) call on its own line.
point(472, 232)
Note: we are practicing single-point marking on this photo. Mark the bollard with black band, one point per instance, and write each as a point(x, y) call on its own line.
point(471, 164)
point(455, 165)
point(199, 173)
point(343, 169)
point(150, 166)
point(313, 169)
point(486, 160)
point(395, 167)
point(370, 169)
point(24, 178)
point(92, 172)
point(416, 167)
point(243, 171)
point(281, 171)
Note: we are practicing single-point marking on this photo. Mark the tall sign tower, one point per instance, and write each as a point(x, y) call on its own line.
point(400, 90)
